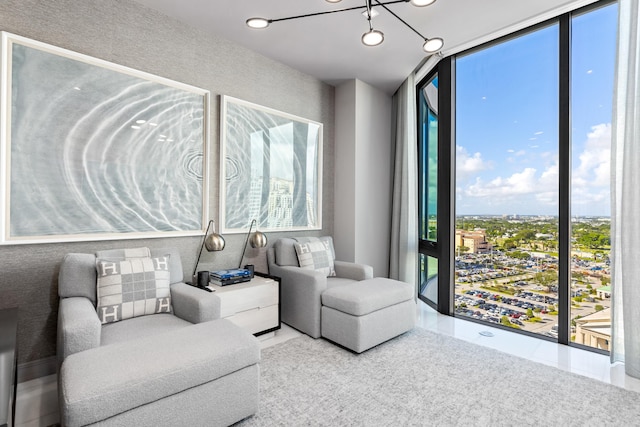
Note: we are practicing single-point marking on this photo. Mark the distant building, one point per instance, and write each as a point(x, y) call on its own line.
point(594, 330)
point(544, 236)
point(604, 292)
point(475, 240)
point(280, 203)
point(539, 255)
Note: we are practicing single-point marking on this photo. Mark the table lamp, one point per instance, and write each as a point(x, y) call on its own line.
point(213, 242)
point(257, 240)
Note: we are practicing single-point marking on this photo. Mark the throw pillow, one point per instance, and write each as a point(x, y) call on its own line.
point(316, 254)
point(132, 287)
point(127, 253)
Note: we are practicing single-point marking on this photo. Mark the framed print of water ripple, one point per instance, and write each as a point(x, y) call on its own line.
point(271, 169)
point(91, 150)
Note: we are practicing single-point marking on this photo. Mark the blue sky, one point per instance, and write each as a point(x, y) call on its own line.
point(507, 121)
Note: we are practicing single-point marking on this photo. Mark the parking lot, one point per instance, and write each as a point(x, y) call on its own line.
point(478, 293)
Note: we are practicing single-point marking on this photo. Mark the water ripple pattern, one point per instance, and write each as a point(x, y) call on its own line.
point(94, 150)
point(271, 170)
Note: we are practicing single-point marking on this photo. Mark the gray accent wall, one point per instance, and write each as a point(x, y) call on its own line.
point(363, 172)
point(126, 33)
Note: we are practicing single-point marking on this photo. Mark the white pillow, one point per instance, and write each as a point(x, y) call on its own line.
point(132, 287)
point(316, 254)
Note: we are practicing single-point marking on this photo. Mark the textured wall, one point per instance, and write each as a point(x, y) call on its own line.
point(126, 33)
point(363, 165)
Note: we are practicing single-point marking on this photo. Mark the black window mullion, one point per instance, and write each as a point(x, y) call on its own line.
point(564, 156)
point(446, 185)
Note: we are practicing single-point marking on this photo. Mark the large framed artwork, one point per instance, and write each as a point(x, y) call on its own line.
point(271, 169)
point(92, 150)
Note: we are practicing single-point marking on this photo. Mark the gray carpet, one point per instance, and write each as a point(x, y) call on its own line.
point(428, 379)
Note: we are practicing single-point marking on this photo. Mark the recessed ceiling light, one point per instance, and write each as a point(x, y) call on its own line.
point(140, 122)
point(153, 124)
point(135, 127)
point(334, 1)
point(76, 88)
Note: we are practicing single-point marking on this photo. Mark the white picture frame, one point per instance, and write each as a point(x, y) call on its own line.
point(92, 150)
point(270, 169)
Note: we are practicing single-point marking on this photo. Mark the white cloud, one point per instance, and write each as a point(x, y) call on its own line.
point(518, 183)
point(535, 189)
point(595, 159)
point(591, 177)
point(468, 165)
point(520, 190)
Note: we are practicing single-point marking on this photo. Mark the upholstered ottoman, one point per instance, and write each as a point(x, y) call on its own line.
point(208, 370)
point(364, 314)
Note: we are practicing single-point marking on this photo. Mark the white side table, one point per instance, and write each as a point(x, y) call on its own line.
point(253, 305)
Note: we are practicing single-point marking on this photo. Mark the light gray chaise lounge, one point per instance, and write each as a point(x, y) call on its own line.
point(352, 308)
point(179, 368)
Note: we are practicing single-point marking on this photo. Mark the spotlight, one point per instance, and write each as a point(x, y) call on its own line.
point(258, 23)
point(433, 45)
point(372, 38)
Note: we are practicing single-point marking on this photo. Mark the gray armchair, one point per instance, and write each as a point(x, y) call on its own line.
point(187, 367)
point(301, 289)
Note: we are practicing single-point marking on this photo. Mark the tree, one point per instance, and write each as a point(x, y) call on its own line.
point(526, 235)
point(530, 313)
point(546, 278)
point(509, 244)
point(463, 249)
point(519, 255)
point(599, 307)
point(592, 240)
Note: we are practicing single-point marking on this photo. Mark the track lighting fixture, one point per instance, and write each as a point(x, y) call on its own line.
point(373, 37)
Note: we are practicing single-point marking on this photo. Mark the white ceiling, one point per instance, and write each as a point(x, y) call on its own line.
point(328, 46)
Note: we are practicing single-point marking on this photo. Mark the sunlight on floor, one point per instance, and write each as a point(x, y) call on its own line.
point(563, 357)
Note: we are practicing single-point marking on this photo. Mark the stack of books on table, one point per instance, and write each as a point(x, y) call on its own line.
point(229, 277)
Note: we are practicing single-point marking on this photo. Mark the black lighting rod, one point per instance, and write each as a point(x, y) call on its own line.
point(204, 239)
point(400, 19)
point(344, 10)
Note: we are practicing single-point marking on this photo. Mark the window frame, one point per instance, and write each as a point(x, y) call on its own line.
point(443, 248)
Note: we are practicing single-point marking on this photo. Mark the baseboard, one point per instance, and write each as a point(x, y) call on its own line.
point(37, 369)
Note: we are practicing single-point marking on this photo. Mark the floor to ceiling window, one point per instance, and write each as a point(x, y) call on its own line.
point(593, 47)
point(507, 182)
point(428, 155)
point(530, 145)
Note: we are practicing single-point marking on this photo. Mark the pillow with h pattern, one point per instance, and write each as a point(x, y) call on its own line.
point(316, 254)
point(132, 287)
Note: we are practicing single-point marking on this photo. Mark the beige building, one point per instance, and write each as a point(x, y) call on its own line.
point(595, 329)
point(475, 240)
point(604, 292)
